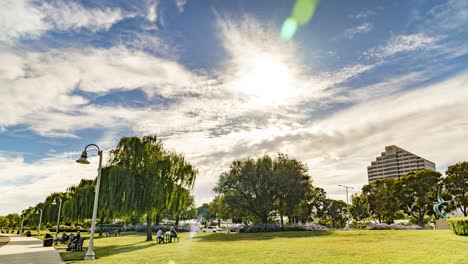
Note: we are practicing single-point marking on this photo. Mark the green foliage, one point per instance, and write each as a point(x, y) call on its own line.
point(359, 208)
point(145, 179)
point(258, 187)
point(333, 214)
point(417, 192)
point(459, 225)
point(456, 185)
point(383, 199)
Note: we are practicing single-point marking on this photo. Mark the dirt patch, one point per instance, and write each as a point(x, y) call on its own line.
point(4, 240)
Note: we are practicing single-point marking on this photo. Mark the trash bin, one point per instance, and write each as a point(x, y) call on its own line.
point(28, 234)
point(48, 242)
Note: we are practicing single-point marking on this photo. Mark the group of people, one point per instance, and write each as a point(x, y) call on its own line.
point(71, 240)
point(172, 234)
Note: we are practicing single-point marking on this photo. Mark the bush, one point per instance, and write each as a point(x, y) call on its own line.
point(459, 225)
point(382, 226)
point(277, 228)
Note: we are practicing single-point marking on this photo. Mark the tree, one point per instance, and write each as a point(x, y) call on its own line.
point(219, 209)
point(259, 187)
point(182, 205)
point(359, 208)
point(332, 214)
point(417, 192)
point(383, 199)
point(14, 220)
point(4, 222)
point(144, 178)
point(294, 186)
point(456, 185)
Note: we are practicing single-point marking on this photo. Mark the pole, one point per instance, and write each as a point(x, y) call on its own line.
point(22, 221)
point(90, 253)
point(39, 226)
point(58, 219)
point(347, 201)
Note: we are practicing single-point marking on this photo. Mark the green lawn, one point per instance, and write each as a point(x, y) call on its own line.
point(356, 247)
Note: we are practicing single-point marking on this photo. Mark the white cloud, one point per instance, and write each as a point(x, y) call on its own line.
point(180, 5)
point(362, 28)
point(403, 43)
point(152, 12)
point(364, 14)
point(24, 19)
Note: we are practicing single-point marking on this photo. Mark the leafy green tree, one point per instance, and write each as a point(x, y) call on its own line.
point(4, 222)
point(219, 209)
point(313, 202)
point(145, 179)
point(182, 206)
point(383, 199)
point(250, 185)
point(293, 184)
point(456, 185)
point(14, 220)
point(359, 208)
point(417, 192)
point(259, 187)
point(332, 214)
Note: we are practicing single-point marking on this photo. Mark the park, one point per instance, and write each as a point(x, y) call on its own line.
point(291, 221)
point(233, 131)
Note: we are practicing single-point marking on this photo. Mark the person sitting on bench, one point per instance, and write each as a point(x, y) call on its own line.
point(160, 237)
point(173, 234)
point(74, 241)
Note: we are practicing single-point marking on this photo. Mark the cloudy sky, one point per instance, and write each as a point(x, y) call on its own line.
point(216, 82)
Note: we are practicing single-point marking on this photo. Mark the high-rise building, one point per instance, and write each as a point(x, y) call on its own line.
point(396, 162)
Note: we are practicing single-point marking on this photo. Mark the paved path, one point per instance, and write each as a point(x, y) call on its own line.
point(27, 250)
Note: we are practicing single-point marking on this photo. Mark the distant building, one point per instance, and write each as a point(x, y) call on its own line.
point(396, 162)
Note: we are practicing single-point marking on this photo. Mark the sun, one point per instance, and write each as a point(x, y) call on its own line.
point(265, 79)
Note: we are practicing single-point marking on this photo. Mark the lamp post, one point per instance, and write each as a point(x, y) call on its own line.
point(22, 221)
point(40, 220)
point(347, 201)
point(58, 217)
point(84, 160)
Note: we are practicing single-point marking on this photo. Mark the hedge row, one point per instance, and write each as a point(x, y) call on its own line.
point(459, 225)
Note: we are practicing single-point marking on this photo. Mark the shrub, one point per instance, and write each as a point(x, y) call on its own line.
point(459, 225)
point(382, 226)
point(277, 228)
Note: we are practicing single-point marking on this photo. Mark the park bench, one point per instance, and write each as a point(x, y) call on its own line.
point(79, 245)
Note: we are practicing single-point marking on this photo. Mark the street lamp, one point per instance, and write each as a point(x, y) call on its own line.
point(84, 160)
point(54, 202)
point(22, 221)
point(40, 220)
point(347, 201)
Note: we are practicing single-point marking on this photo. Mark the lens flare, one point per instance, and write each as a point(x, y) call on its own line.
point(302, 12)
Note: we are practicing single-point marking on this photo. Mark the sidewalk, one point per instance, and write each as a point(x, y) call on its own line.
point(27, 250)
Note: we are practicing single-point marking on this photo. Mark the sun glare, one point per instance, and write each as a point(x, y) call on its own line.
point(265, 79)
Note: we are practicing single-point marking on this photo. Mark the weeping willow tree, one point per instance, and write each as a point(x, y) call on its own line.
point(182, 201)
point(144, 179)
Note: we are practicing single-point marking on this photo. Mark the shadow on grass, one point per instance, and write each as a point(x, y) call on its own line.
point(107, 250)
point(259, 236)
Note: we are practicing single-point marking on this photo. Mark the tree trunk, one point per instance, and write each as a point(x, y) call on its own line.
point(282, 220)
point(157, 219)
point(264, 217)
point(177, 222)
point(149, 229)
point(219, 222)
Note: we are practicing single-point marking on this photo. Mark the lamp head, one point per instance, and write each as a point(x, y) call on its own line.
point(84, 158)
point(37, 212)
point(54, 202)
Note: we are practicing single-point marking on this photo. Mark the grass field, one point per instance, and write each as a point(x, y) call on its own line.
point(366, 246)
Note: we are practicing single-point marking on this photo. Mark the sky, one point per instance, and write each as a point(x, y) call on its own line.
point(216, 82)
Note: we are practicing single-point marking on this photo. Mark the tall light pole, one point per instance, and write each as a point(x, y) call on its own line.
point(40, 220)
point(347, 200)
point(84, 160)
point(58, 217)
point(22, 221)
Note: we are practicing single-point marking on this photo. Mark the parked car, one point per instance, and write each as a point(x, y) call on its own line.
point(213, 229)
point(236, 228)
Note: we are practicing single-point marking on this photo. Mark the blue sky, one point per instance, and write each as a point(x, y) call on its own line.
point(216, 82)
